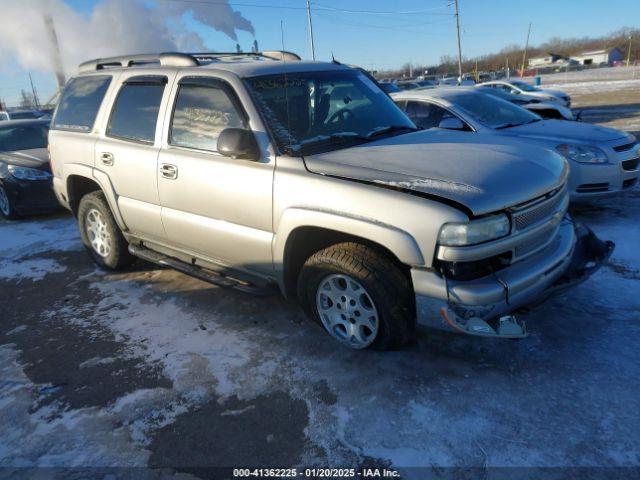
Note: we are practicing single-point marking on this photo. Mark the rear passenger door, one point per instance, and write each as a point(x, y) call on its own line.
point(214, 206)
point(127, 151)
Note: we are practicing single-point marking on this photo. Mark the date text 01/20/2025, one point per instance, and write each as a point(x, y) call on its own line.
point(316, 473)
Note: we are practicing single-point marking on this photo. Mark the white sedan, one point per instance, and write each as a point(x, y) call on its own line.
point(517, 87)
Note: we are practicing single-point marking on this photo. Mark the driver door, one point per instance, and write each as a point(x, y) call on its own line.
point(213, 206)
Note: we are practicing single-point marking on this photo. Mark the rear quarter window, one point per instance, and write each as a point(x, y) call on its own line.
point(80, 102)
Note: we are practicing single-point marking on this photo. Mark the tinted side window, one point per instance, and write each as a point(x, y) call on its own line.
point(135, 111)
point(425, 115)
point(200, 114)
point(80, 102)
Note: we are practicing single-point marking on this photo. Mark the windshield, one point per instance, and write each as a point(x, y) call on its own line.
point(321, 111)
point(23, 137)
point(524, 86)
point(493, 112)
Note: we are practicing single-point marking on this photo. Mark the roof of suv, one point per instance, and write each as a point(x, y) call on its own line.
point(242, 64)
point(252, 68)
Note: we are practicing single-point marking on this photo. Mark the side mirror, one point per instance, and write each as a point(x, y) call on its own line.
point(451, 123)
point(238, 143)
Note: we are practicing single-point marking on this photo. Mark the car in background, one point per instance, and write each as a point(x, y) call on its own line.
point(453, 82)
point(14, 114)
point(389, 87)
point(547, 110)
point(603, 160)
point(517, 87)
point(413, 84)
point(25, 173)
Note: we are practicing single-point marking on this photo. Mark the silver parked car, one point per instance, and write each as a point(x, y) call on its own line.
point(603, 161)
point(518, 87)
point(252, 172)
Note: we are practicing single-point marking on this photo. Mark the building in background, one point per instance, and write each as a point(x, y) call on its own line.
point(550, 60)
point(599, 57)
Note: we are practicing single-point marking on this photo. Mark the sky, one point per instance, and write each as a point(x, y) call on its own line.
point(375, 34)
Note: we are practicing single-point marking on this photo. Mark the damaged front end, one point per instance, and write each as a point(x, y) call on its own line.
point(488, 305)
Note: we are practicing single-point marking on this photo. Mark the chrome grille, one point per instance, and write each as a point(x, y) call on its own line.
point(529, 216)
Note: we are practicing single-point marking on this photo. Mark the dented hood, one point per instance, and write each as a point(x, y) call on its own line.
point(484, 173)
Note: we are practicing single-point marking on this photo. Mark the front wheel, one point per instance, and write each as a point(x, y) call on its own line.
point(6, 208)
point(100, 233)
point(359, 296)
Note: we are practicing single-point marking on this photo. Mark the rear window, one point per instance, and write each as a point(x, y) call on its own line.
point(23, 137)
point(135, 112)
point(80, 102)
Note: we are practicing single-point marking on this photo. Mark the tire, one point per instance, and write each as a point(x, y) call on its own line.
point(386, 289)
point(7, 210)
point(100, 233)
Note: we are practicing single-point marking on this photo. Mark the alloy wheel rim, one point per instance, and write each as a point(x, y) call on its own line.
point(347, 311)
point(4, 202)
point(98, 233)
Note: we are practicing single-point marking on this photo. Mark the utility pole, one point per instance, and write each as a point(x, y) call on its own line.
point(524, 55)
point(629, 51)
point(33, 91)
point(313, 48)
point(457, 15)
point(508, 72)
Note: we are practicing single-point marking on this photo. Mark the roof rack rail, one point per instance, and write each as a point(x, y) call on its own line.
point(270, 54)
point(176, 59)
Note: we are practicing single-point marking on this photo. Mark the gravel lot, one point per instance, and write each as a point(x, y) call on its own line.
point(103, 375)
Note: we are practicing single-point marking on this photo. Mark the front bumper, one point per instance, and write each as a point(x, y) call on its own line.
point(593, 181)
point(484, 306)
point(31, 197)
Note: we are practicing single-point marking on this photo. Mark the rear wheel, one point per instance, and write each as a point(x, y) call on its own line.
point(358, 295)
point(6, 208)
point(100, 233)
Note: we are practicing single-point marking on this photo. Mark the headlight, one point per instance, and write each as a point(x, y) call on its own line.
point(475, 231)
point(582, 153)
point(24, 173)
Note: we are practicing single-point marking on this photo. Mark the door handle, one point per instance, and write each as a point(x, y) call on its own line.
point(106, 158)
point(169, 171)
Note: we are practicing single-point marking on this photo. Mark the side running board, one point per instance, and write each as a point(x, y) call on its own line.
point(217, 278)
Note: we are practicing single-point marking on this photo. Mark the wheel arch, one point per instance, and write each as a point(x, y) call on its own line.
point(83, 180)
point(304, 232)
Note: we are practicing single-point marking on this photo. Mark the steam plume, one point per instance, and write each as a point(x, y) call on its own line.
point(113, 27)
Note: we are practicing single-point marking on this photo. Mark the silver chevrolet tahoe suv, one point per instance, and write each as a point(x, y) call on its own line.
point(261, 171)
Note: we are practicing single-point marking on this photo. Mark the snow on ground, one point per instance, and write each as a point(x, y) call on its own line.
point(596, 86)
point(592, 75)
point(229, 364)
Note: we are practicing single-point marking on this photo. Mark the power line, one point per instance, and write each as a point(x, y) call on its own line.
point(380, 12)
point(315, 6)
point(394, 28)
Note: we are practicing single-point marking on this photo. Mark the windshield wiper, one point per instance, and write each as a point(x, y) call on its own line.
point(507, 125)
point(376, 132)
point(324, 139)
